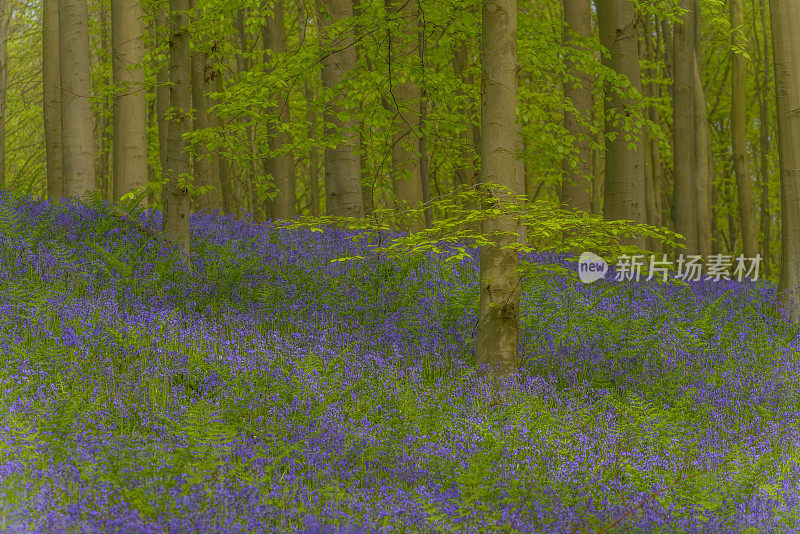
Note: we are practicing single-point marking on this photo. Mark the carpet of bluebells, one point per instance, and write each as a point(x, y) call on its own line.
point(271, 389)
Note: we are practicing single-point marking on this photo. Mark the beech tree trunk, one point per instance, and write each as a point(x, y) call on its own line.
point(684, 206)
point(280, 166)
point(576, 188)
point(786, 54)
point(741, 161)
point(405, 168)
point(130, 106)
point(76, 109)
point(176, 194)
point(703, 167)
point(498, 317)
point(763, 118)
point(343, 195)
point(162, 97)
point(624, 178)
point(51, 97)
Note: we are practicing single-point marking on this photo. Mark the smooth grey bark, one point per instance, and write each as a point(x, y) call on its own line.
point(405, 101)
point(703, 165)
point(498, 316)
point(684, 207)
point(77, 138)
point(741, 160)
point(763, 117)
point(786, 62)
point(176, 194)
point(162, 94)
point(343, 194)
point(624, 178)
point(280, 166)
point(130, 106)
point(51, 97)
point(576, 188)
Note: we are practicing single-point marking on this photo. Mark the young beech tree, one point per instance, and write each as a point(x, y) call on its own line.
point(786, 53)
point(130, 106)
point(498, 317)
point(77, 138)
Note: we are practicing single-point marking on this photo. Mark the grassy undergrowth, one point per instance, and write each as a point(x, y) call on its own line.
point(274, 391)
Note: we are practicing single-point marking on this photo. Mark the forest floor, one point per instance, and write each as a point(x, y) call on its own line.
point(273, 390)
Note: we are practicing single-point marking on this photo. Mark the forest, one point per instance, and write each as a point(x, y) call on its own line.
point(351, 266)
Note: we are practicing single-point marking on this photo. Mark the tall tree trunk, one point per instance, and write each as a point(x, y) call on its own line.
point(576, 188)
point(624, 180)
point(130, 106)
point(786, 52)
point(405, 168)
point(206, 163)
point(162, 98)
point(498, 318)
point(763, 119)
point(280, 166)
point(176, 193)
point(343, 195)
point(703, 177)
point(741, 162)
point(77, 140)
point(684, 206)
point(51, 96)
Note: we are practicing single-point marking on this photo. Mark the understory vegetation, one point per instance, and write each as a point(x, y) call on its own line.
point(273, 390)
